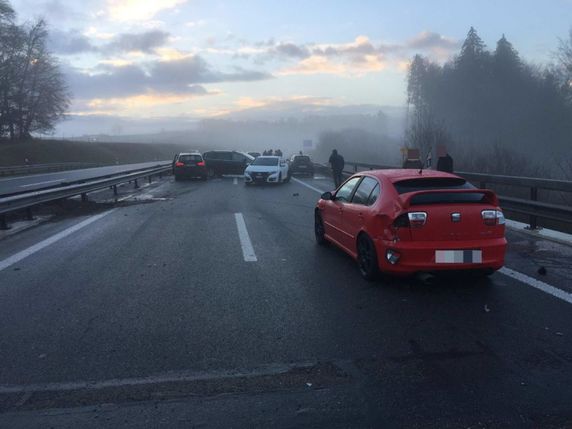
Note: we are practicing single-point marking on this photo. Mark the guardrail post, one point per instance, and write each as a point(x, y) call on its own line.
point(3, 223)
point(149, 179)
point(533, 221)
point(136, 183)
point(84, 198)
point(114, 189)
point(355, 168)
point(29, 214)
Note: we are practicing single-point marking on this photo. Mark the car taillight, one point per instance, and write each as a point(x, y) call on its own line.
point(201, 164)
point(179, 164)
point(412, 219)
point(417, 219)
point(493, 217)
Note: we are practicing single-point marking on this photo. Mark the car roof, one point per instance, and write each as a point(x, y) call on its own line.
point(397, 175)
point(269, 156)
point(189, 153)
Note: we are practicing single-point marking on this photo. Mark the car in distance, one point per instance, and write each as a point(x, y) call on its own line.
point(254, 154)
point(221, 162)
point(189, 165)
point(301, 164)
point(404, 222)
point(267, 169)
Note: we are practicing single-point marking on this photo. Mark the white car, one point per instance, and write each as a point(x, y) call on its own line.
point(267, 169)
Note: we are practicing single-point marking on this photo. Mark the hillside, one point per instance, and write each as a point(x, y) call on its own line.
point(53, 151)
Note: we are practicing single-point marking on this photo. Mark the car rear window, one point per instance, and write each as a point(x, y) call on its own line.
point(429, 183)
point(187, 158)
point(449, 198)
point(302, 159)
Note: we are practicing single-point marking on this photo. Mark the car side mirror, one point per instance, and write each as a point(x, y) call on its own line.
point(327, 196)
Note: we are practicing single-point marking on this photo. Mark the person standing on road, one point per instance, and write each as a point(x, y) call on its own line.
point(445, 161)
point(337, 163)
point(278, 152)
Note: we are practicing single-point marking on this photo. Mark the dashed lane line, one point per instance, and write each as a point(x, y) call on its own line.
point(245, 243)
point(49, 241)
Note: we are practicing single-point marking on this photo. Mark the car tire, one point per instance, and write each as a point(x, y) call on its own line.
point(319, 230)
point(367, 258)
point(287, 179)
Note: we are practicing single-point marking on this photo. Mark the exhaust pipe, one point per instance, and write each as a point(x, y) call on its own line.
point(427, 278)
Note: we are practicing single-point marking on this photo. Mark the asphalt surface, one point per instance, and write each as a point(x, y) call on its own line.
point(12, 185)
point(150, 316)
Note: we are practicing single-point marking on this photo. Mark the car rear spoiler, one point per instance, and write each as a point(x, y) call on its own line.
point(489, 195)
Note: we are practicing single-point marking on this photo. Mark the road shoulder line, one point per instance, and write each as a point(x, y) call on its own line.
point(11, 260)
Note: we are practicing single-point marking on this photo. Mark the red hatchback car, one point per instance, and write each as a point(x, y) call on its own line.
point(404, 222)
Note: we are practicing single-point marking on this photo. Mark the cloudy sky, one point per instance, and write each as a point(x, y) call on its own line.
point(188, 59)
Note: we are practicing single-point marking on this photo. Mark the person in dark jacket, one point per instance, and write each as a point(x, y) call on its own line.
point(337, 162)
point(444, 161)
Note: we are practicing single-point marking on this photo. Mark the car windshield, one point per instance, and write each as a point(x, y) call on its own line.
point(265, 161)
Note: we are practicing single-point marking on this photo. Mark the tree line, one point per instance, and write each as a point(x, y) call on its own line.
point(33, 92)
point(491, 100)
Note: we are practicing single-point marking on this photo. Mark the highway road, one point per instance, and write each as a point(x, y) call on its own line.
point(208, 304)
point(12, 185)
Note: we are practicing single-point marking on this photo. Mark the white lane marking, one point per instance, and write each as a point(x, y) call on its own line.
point(245, 243)
point(537, 284)
point(41, 183)
point(235, 181)
point(49, 241)
point(308, 186)
point(168, 377)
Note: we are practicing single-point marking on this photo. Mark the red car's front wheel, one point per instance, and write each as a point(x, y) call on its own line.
point(319, 230)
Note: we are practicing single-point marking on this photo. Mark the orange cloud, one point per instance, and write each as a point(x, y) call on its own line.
point(318, 64)
point(142, 101)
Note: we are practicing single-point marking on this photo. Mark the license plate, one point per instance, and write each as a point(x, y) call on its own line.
point(458, 256)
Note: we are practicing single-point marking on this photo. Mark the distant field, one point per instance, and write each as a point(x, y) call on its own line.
point(53, 151)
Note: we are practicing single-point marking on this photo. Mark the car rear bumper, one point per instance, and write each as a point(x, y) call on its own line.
point(190, 172)
point(301, 170)
point(415, 257)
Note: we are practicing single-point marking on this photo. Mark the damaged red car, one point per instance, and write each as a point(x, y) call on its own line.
point(404, 222)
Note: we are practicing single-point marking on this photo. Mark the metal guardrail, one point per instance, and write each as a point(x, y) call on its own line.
point(45, 168)
point(27, 200)
point(531, 207)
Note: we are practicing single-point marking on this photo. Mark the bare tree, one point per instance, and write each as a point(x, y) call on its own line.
point(33, 93)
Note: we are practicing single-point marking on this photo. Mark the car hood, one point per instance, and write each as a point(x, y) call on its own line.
point(262, 169)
